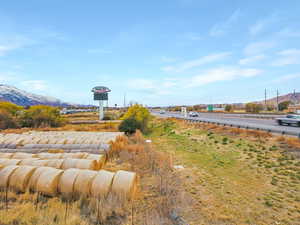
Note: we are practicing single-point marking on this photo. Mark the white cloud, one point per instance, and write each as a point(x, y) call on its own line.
point(262, 24)
point(4, 49)
point(161, 87)
point(36, 85)
point(251, 59)
point(258, 47)
point(221, 74)
point(287, 57)
point(169, 86)
point(222, 28)
point(287, 78)
point(4, 78)
point(196, 62)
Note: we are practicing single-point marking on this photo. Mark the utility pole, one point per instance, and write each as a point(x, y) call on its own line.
point(277, 100)
point(124, 100)
point(266, 99)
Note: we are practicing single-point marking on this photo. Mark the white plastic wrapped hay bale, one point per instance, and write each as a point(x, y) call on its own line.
point(69, 163)
point(27, 162)
point(35, 176)
point(40, 163)
point(67, 181)
point(124, 183)
point(5, 174)
point(55, 163)
point(78, 155)
point(47, 183)
point(87, 164)
point(9, 162)
point(20, 178)
point(22, 155)
point(49, 155)
point(6, 155)
point(101, 184)
point(83, 182)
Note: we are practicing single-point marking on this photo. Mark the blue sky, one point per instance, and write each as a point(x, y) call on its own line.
point(159, 52)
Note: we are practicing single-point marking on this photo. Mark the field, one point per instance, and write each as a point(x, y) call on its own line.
point(235, 177)
point(189, 174)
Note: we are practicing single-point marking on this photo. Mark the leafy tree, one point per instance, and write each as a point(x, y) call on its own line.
point(253, 108)
point(228, 108)
point(140, 114)
point(270, 107)
point(41, 116)
point(7, 120)
point(11, 108)
point(283, 105)
point(129, 126)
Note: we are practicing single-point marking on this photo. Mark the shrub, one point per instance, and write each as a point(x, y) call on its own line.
point(139, 117)
point(7, 120)
point(41, 116)
point(130, 125)
point(253, 108)
point(283, 105)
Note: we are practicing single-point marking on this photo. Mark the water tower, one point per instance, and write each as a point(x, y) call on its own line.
point(101, 95)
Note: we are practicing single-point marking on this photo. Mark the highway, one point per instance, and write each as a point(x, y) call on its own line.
point(249, 121)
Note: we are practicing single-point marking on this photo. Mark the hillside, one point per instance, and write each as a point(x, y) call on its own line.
point(23, 98)
point(293, 97)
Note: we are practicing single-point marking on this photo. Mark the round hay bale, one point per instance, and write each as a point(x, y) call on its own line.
point(83, 182)
point(66, 182)
point(101, 184)
point(69, 163)
point(20, 178)
point(22, 155)
point(35, 176)
point(9, 162)
point(124, 183)
point(47, 183)
point(27, 162)
point(5, 174)
point(49, 155)
point(40, 162)
point(6, 155)
point(87, 164)
point(55, 163)
point(72, 156)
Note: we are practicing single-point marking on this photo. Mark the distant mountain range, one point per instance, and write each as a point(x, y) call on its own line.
point(23, 98)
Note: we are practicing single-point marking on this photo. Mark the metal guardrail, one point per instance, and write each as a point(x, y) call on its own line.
point(257, 127)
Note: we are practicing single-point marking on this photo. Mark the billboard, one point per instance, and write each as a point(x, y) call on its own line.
point(100, 96)
point(100, 89)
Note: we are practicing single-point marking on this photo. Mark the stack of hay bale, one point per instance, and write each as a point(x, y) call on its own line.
point(52, 139)
point(78, 160)
point(68, 183)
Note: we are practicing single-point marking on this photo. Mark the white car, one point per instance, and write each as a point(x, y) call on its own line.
point(193, 114)
point(289, 120)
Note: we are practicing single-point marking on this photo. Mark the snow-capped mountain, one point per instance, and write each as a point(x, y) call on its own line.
point(23, 98)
